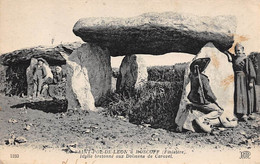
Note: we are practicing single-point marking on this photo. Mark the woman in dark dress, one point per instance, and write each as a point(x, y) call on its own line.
point(245, 76)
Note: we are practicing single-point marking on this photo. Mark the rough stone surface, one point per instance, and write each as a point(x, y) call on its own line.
point(78, 92)
point(58, 91)
point(157, 33)
point(50, 54)
point(221, 76)
point(29, 76)
point(91, 65)
point(97, 62)
point(16, 63)
point(132, 73)
point(3, 83)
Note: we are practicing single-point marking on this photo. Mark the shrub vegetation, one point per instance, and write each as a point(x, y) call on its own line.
point(156, 103)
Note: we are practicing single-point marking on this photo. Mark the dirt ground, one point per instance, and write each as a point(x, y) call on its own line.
point(44, 130)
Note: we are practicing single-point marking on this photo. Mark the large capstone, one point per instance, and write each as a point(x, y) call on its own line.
point(221, 77)
point(157, 33)
point(132, 73)
point(89, 74)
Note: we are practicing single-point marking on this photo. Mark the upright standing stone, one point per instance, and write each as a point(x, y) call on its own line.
point(221, 76)
point(132, 73)
point(89, 75)
point(3, 82)
point(97, 62)
point(29, 76)
point(78, 92)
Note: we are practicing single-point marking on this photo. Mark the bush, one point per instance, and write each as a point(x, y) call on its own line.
point(166, 73)
point(160, 73)
point(156, 103)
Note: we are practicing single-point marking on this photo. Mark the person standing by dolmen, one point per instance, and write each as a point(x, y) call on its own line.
point(245, 76)
point(42, 77)
point(30, 77)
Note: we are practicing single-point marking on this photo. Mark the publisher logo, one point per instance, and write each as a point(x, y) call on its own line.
point(245, 155)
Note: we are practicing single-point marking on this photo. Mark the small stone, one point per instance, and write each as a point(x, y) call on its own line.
point(214, 133)
point(27, 127)
point(87, 131)
point(242, 132)
point(155, 134)
point(255, 125)
point(122, 118)
point(146, 125)
point(20, 140)
point(93, 127)
point(249, 142)
point(23, 111)
point(73, 150)
point(100, 109)
point(140, 126)
point(103, 142)
point(10, 141)
point(156, 139)
point(12, 121)
point(222, 129)
point(72, 145)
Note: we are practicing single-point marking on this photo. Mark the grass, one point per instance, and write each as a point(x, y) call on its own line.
point(155, 103)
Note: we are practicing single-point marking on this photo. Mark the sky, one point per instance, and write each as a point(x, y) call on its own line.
point(28, 23)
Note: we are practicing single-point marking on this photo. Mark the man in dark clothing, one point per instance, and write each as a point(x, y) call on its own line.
point(57, 90)
point(38, 78)
point(201, 95)
point(245, 77)
point(58, 76)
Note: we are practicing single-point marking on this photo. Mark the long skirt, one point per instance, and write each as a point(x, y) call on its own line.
point(245, 97)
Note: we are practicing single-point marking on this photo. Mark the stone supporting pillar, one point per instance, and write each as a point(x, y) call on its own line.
point(89, 76)
point(132, 73)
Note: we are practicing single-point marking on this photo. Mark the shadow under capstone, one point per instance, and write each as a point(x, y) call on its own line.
point(49, 106)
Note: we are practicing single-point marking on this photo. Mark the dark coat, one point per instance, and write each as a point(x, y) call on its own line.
point(245, 97)
point(196, 95)
point(57, 77)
